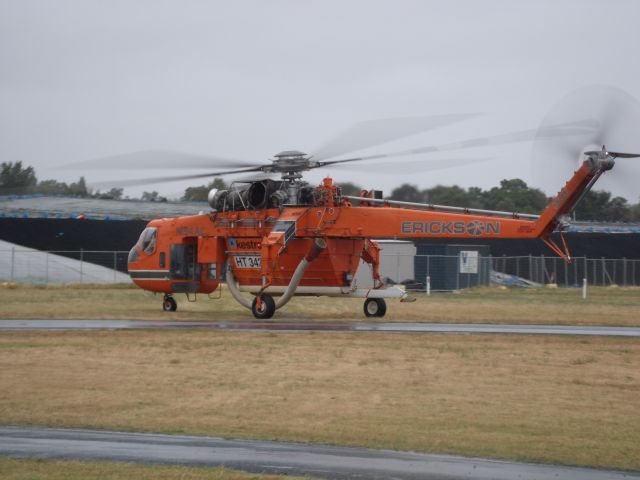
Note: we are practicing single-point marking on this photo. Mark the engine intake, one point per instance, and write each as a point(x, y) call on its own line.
point(261, 193)
point(258, 195)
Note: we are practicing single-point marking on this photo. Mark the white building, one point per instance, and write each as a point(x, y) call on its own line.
point(396, 263)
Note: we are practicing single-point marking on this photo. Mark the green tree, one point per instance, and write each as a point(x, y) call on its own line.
point(476, 197)
point(515, 196)
point(598, 205)
point(350, 189)
point(52, 187)
point(14, 178)
point(454, 196)
point(199, 194)
point(634, 213)
point(79, 188)
point(116, 193)
point(592, 205)
point(150, 196)
point(407, 193)
point(618, 210)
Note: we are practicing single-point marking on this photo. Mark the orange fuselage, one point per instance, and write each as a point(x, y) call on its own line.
point(264, 247)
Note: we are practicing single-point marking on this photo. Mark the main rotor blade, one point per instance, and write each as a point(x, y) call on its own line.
point(393, 168)
point(375, 132)
point(159, 159)
point(613, 154)
point(624, 155)
point(173, 178)
point(255, 177)
point(573, 128)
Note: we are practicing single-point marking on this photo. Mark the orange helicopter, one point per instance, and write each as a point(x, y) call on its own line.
point(276, 238)
point(285, 238)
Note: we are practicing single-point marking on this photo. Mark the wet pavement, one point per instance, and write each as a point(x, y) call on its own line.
point(276, 457)
point(325, 326)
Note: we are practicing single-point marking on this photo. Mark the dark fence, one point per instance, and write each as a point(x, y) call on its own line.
point(453, 272)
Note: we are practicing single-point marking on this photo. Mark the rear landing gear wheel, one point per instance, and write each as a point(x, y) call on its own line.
point(267, 306)
point(169, 304)
point(375, 307)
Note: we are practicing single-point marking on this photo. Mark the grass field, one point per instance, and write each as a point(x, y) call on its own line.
point(549, 399)
point(13, 469)
point(604, 306)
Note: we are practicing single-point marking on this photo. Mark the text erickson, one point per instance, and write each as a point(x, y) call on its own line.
point(474, 228)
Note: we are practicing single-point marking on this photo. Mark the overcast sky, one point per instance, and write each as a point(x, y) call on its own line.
point(247, 79)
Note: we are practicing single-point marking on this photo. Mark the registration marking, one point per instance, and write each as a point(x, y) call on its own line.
point(248, 261)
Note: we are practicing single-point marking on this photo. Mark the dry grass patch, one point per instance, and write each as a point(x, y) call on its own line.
point(567, 400)
point(14, 469)
point(605, 306)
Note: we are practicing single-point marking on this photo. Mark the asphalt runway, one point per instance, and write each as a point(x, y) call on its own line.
point(312, 326)
point(276, 457)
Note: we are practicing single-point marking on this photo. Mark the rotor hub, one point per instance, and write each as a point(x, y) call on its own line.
point(290, 161)
point(290, 153)
point(601, 158)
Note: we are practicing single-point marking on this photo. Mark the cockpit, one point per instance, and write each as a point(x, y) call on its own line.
point(146, 244)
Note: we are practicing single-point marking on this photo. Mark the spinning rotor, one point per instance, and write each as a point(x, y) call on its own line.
point(576, 129)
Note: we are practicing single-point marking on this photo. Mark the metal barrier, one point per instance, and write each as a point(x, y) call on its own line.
point(453, 272)
point(39, 267)
point(597, 271)
point(446, 272)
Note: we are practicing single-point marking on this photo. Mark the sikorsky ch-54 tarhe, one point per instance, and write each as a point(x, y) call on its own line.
point(281, 238)
point(276, 238)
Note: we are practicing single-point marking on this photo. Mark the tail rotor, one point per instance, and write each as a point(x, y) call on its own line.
point(614, 116)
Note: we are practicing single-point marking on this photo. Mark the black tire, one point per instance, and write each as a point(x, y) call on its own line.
point(267, 309)
point(169, 304)
point(375, 307)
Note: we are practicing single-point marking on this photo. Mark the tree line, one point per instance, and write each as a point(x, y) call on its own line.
point(515, 195)
point(15, 179)
point(512, 195)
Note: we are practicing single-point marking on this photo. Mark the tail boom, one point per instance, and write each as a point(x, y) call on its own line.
point(562, 205)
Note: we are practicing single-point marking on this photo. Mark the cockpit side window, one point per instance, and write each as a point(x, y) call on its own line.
point(147, 240)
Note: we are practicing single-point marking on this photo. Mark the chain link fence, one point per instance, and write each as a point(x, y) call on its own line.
point(38, 267)
point(445, 272)
point(597, 271)
point(453, 272)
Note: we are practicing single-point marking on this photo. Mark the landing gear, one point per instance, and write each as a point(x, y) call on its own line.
point(169, 304)
point(375, 307)
point(267, 306)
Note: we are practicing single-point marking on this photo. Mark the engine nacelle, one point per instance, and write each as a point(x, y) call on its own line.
point(256, 196)
point(215, 198)
point(260, 193)
point(221, 200)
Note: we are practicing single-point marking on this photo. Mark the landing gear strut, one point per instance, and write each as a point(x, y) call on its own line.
point(267, 306)
point(169, 304)
point(375, 307)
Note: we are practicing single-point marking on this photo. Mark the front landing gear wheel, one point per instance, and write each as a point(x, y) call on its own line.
point(169, 304)
point(267, 306)
point(375, 307)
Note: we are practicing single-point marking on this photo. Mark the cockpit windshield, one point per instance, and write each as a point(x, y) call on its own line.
point(147, 240)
